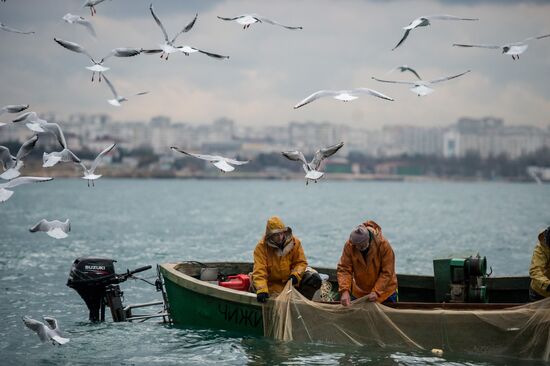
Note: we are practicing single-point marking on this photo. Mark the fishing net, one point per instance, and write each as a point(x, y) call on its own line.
point(519, 332)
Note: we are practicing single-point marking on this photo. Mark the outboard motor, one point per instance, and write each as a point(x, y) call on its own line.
point(96, 282)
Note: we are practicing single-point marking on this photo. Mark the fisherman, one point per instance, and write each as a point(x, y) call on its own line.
point(367, 266)
point(539, 271)
point(279, 258)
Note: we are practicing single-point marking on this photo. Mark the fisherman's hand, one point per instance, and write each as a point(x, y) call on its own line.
point(372, 297)
point(345, 298)
point(294, 280)
point(262, 297)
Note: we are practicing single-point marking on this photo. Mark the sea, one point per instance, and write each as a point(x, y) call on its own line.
point(142, 222)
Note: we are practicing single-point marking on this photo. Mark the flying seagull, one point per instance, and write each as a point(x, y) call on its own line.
point(48, 332)
point(168, 46)
point(513, 49)
point(405, 68)
point(220, 162)
point(248, 19)
point(13, 30)
point(422, 87)
point(13, 165)
point(56, 229)
point(424, 21)
point(312, 168)
point(77, 19)
point(65, 155)
point(343, 95)
point(91, 4)
point(89, 173)
point(117, 98)
point(5, 193)
point(98, 65)
point(12, 108)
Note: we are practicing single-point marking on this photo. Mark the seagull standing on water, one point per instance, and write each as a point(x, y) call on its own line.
point(46, 333)
point(168, 46)
point(422, 87)
point(89, 174)
point(77, 19)
point(117, 98)
point(220, 162)
point(5, 193)
point(312, 168)
point(246, 20)
point(513, 49)
point(424, 21)
point(343, 95)
point(11, 164)
point(56, 229)
point(98, 65)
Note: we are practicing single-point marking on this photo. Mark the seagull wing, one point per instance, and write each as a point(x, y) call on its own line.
point(446, 17)
point(16, 108)
point(86, 24)
point(236, 162)
point(186, 29)
point(537, 37)
point(324, 153)
point(27, 147)
point(445, 78)
point(410, 69)
point(476, 45)
point(75, 47)
point(113, 90)
point(272, 22)
point(159, 23)
point(99, 157)
point(5, 158)
point(32, 116)
point(42, 225)
point(122, 52)
point(210, 158)
point(370, 92)
point(223, 165)
point(407, 31)
point(25, 180)
point(36, 326)
point(214, 55)
point(55, 129)
point(295, 155)
point(52, 322)
point(13, 30)
point(230, 19)
point(394, 81)
point(315, 96)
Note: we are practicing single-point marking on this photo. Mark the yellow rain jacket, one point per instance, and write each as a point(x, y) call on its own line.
point(540, 267)
point(272, 265)
point(361, 274)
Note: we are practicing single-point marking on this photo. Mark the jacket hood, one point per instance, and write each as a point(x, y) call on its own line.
point(543, 235)
point(274, 225)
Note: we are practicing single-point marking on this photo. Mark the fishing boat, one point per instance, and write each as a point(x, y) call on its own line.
point(195, 302)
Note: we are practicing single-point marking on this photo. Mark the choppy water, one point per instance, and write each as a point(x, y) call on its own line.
point(141, 222)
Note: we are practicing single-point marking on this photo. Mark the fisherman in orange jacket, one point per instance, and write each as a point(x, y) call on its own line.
point(539, 271)
point(278, 258)
point(367, 266)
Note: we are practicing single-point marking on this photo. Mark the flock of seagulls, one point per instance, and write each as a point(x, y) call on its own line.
point(12, 165)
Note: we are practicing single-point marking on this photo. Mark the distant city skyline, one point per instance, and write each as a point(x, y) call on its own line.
point(343, 44)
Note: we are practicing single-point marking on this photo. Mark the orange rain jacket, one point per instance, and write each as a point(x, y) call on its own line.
point(272, 265)
point(376, 272)
point(539, 271)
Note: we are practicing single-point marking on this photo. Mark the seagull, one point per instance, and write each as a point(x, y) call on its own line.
point(168, 46)
point(422, 87)
point(5, 193)
point(513, 49)
point(13, 108)
point(219, 162)
point(89, 173)
point(13, 165)
point(34, 123)
point(248, 19)
point(343, 95)
point(312, 168)
point(65, 155)
point(98, 65)
point(46, 333)
point(91, 4)
point(56, 229)
point(13, 30)
point(404, 68)
point(77, 19)
point(424, 21)
point(118, 99)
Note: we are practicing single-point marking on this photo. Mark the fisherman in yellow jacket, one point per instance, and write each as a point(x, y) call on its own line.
point(540, 268)
point(367, 266)
point(278, 258)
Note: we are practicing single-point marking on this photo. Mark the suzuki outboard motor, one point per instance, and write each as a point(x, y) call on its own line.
point(90, 277)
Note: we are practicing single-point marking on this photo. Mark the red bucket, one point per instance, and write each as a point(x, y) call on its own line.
point(240, 282)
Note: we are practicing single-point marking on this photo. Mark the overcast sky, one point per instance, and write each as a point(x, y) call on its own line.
point(342, 45)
